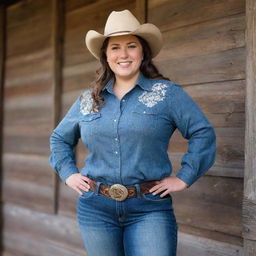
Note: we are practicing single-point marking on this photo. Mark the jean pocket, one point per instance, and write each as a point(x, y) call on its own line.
point(156, 198)
point(87, 195)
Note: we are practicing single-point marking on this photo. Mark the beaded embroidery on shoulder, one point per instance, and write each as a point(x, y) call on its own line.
point(157, 94)
point(86, 101)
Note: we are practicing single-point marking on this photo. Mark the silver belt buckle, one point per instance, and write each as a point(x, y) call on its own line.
point(118, 192)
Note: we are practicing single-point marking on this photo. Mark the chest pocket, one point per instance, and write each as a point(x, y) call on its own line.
point(145, 120)
point(89, 124)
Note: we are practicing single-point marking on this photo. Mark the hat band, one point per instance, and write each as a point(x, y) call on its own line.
point(118, 32)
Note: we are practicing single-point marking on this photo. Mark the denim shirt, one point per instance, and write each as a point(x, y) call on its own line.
point(128, 139)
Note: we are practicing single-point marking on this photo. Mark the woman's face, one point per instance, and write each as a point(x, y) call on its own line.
point(124, 56)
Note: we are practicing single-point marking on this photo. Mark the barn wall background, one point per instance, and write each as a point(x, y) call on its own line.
point(47, 66)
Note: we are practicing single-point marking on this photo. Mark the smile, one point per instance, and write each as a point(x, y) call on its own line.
point(124, 63)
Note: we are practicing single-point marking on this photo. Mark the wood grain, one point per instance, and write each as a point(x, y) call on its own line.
point(204, 38)
point(212, 203)
point(249, 203)
point(40, 234)
point(195, 245)
point(170, 14)
point(2, 78)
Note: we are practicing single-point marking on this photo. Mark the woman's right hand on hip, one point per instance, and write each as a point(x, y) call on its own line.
point(78, 182)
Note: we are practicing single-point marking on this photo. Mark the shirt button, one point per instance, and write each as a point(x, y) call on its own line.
point(123, 100)
point(144, 112)
point(116, 139)
point(116, 152)
point(114, 120)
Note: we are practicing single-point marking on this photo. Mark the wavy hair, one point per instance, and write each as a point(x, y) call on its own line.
point(104, 74)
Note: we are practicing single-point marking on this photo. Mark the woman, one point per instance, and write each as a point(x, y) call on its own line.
point(126, 121)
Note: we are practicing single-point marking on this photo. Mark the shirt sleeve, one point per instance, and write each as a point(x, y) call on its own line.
point(63, 140)
point(195, 127)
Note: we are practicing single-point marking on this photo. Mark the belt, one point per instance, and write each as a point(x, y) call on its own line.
point(120, 192)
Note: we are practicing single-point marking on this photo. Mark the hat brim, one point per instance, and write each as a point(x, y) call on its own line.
point(149, 32)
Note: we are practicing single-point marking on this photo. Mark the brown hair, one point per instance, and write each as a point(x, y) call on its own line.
point(105, 74)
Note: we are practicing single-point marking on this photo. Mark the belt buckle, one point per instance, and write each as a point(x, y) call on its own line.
point(118, 192)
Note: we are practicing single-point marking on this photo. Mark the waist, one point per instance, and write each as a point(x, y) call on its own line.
point(120, 192)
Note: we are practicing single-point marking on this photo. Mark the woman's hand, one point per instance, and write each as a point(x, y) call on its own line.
point(78, 182)
point(168, 185)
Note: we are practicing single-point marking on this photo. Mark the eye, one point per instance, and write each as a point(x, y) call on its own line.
point(132, 46)
point(114, 48)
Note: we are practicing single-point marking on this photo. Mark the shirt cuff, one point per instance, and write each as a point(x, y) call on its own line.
point(187, 176)
point(66, 172)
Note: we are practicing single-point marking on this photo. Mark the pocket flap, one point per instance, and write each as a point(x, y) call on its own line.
point(90, 117)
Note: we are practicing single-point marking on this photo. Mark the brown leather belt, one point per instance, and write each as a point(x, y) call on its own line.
point(120, 192)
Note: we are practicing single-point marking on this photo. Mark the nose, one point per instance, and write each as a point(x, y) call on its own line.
point(124, 53)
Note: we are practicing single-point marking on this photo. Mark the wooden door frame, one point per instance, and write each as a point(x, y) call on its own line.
point(2, 73)
point(249, 201)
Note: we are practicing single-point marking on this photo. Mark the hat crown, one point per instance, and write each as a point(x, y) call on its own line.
point(120, 22)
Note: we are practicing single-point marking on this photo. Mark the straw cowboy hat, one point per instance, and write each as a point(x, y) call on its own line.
point(124, 23)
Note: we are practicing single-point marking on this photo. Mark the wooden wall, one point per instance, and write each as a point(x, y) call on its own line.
point(47, 67)
point(205, 52)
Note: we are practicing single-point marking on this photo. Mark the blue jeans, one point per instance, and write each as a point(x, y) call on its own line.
point(140, 226)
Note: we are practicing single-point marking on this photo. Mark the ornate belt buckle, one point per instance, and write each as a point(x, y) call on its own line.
point(118, 192)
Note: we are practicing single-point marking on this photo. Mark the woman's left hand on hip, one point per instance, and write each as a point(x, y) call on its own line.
point(168, 185)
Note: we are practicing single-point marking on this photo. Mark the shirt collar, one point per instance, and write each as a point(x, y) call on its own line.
point(142, 81)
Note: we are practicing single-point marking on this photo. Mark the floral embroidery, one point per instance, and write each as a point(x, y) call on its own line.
point(150, 99)
point(86, 103)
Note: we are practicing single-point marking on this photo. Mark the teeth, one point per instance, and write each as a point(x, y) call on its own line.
point(124, 63)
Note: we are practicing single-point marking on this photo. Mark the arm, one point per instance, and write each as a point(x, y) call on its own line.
point(195, 127)
point(62, 143)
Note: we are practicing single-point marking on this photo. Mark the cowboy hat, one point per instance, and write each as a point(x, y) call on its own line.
point(124, 23)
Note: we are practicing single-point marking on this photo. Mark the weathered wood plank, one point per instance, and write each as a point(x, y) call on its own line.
point(212, 203)
point(222, 98)
point(141, 11)
point(215, 67)
point(28, 115)
point(40, 234)
point(249, 206)
point(194, 246)
point(170, 14)
point(28, 168)
point(28, 75)
point(28, 194)
point(211, 234)
point(28, 20)
point(249, 248)
point(249, 219)
point(2, 78)
point(204, 38)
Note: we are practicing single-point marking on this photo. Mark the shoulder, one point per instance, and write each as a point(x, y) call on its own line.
point(161, 84)
point(86, 101)
point(166, 88)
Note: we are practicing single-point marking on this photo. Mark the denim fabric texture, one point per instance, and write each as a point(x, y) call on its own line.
point(128, 139)
point(139, 226)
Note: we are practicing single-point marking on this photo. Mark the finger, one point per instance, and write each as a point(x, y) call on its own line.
point(84, 188)
point(156, 187)
point(84, 184)
point(86, 179)
point(159, 190)
point(165, 193)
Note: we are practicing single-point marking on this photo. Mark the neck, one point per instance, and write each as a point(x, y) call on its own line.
point(125, 82)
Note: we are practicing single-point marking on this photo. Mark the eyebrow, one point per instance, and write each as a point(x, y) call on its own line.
point(127, 43)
